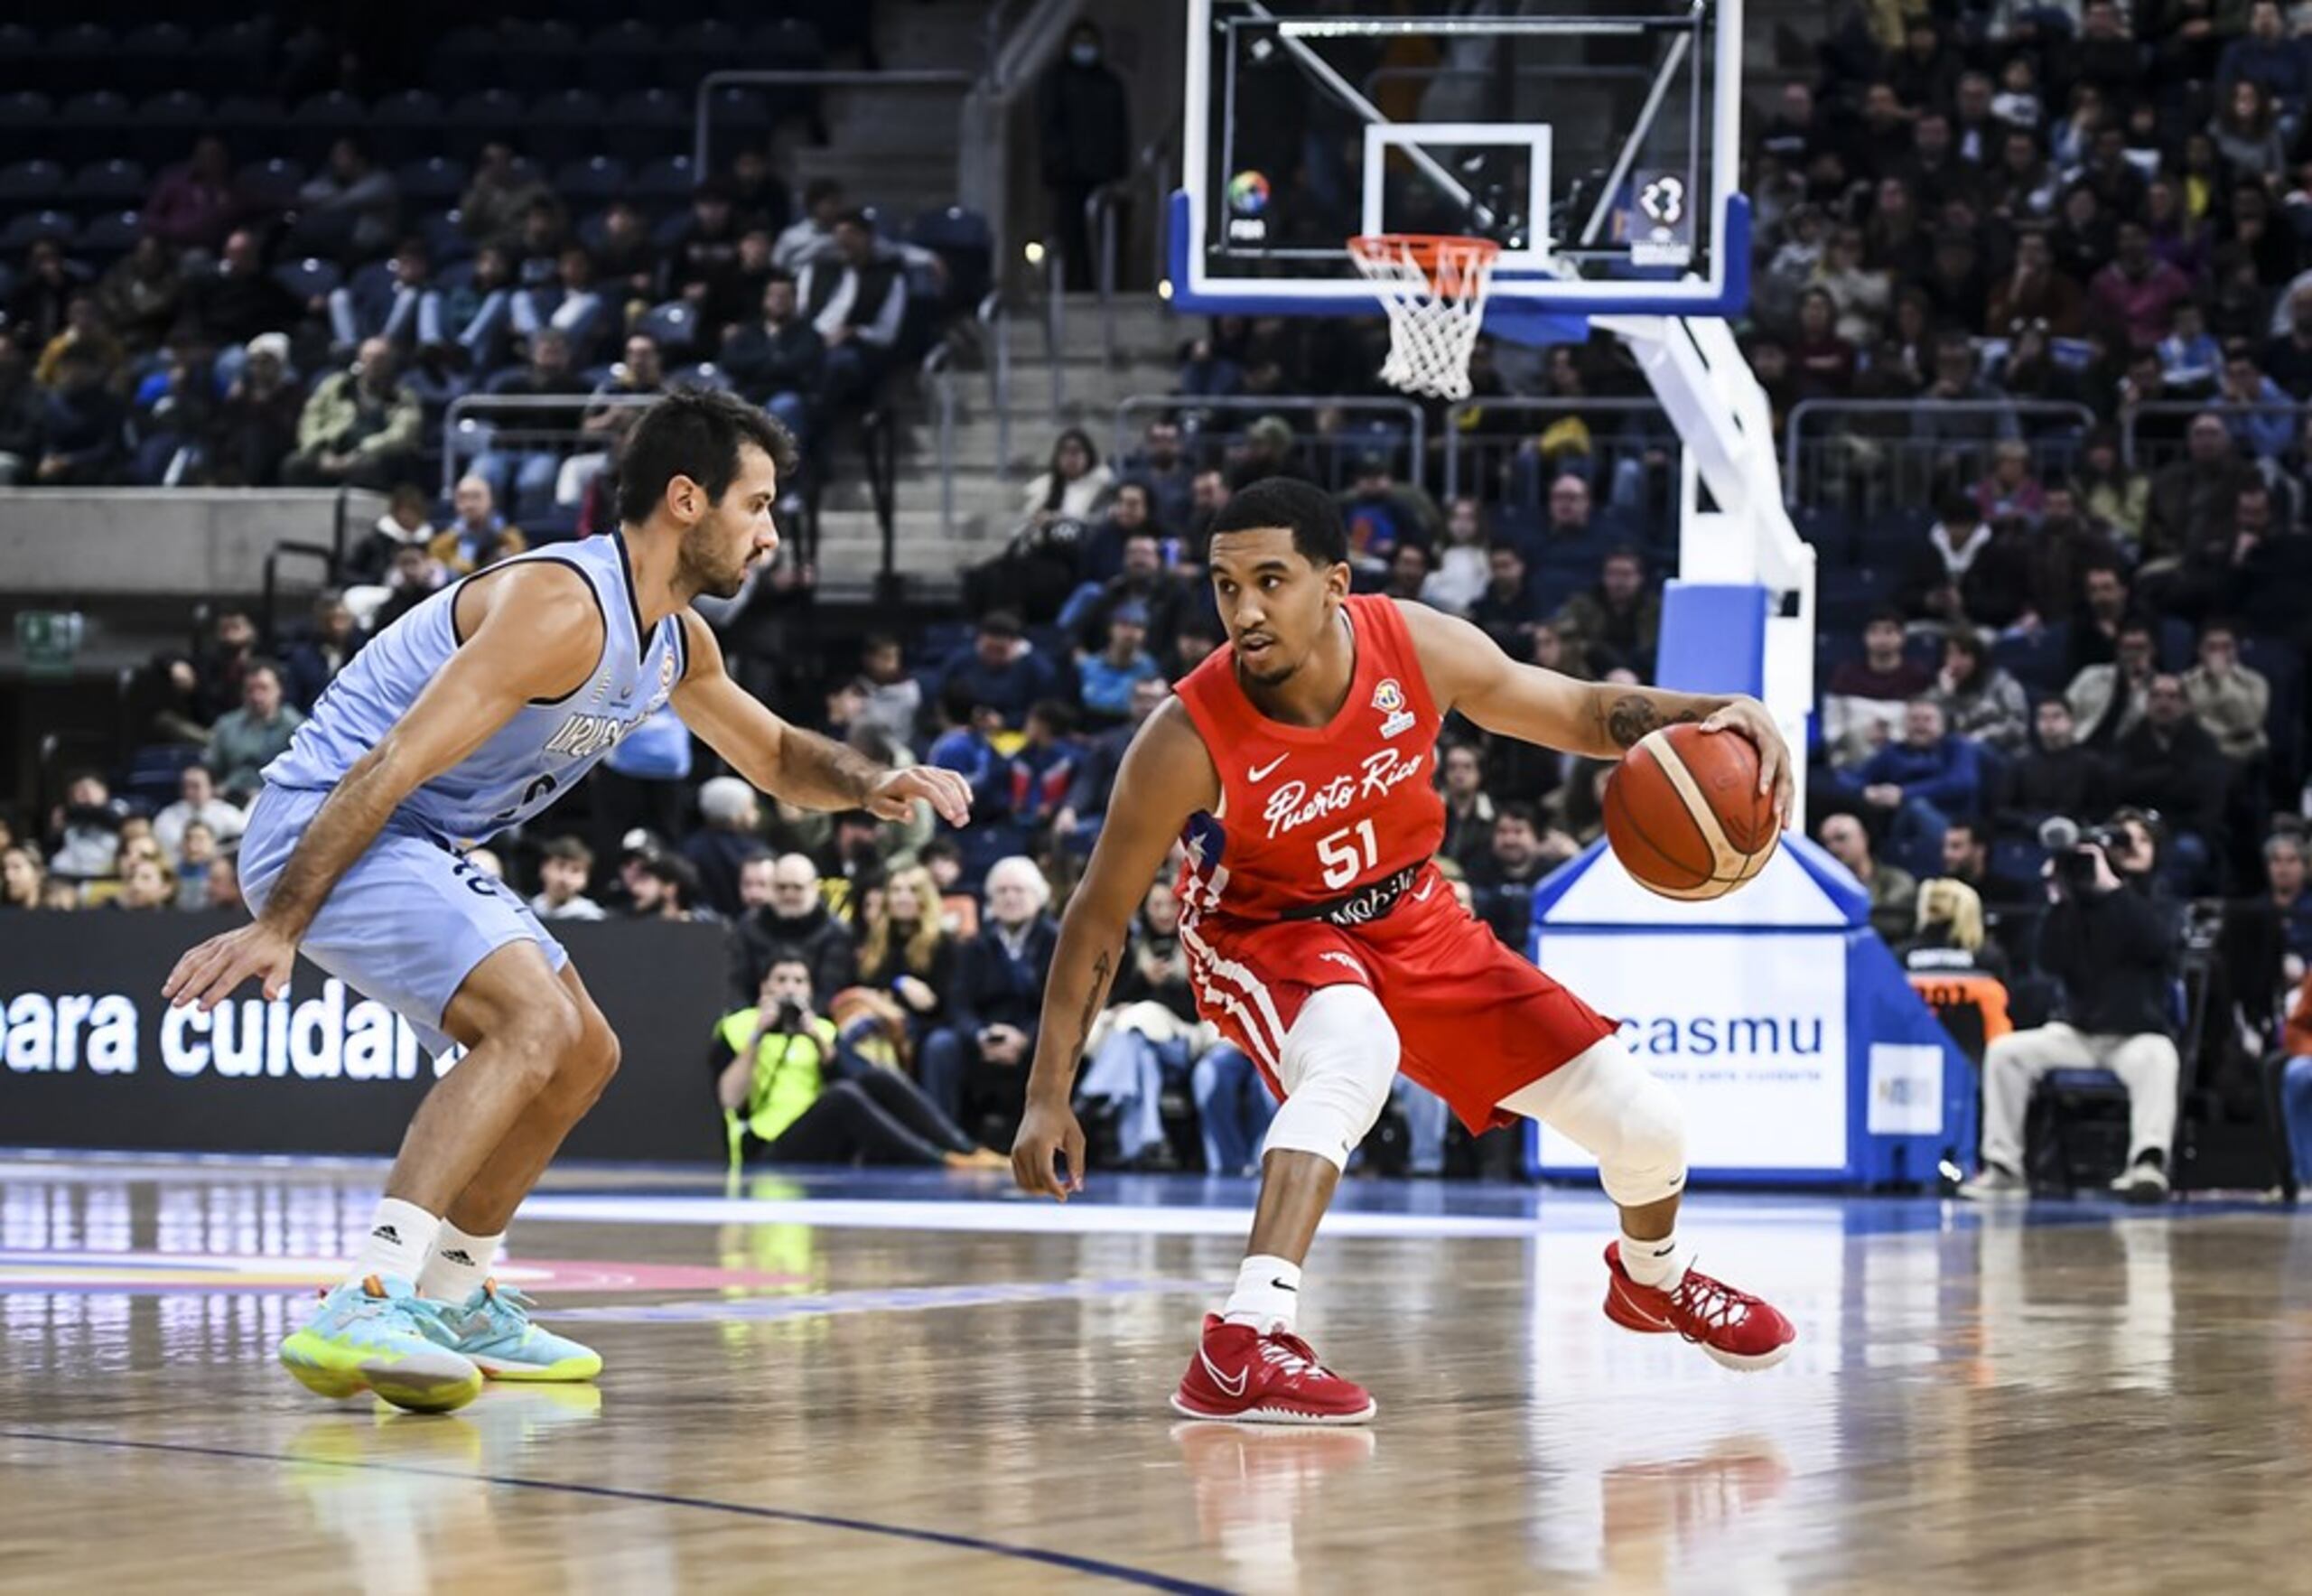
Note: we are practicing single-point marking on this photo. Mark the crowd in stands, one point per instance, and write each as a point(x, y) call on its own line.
point(261, 322)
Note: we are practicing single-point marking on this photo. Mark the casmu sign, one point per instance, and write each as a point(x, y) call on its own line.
point(1749, 1030)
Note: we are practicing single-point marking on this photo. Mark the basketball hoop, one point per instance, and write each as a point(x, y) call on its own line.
point(1434, 288)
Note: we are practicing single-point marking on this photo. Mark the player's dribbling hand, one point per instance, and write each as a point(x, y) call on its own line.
point(1748, 717)
point(208, 973)
point(893, 796)
point(1048, 1134)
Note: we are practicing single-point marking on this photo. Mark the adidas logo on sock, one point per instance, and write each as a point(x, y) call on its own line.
point(458, 1255)
point(386, 1233)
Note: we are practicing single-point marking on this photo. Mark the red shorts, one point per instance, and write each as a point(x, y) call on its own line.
point(1475, 1021)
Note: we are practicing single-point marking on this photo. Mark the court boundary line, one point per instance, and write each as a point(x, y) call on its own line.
point(1123, 1573)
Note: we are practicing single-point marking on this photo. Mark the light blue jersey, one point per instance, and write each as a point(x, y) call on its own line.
point(534, 758)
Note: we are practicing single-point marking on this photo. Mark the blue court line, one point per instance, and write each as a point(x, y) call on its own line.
point(1093, 1566)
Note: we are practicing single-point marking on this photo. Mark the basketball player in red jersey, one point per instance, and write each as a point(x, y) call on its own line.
point(1295, 763)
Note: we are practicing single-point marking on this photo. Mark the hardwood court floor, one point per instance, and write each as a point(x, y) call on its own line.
point(874, 1383)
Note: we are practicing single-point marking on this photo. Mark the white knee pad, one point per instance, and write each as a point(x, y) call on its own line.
point(1615, 1108)
point(1340, 1058)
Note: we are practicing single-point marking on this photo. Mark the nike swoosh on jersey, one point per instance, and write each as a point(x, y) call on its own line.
point(1261, 772)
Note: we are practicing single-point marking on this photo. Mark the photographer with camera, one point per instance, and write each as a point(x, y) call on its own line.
point(794, 1090)
point(2113, 943)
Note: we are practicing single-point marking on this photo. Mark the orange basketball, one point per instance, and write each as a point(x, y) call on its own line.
point(1684, 814)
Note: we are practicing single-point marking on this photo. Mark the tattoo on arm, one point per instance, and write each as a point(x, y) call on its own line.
point(1094, 994)
point(1630, 717)
point(824, 774)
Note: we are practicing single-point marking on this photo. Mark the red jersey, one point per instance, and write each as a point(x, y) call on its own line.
point(1318, 819)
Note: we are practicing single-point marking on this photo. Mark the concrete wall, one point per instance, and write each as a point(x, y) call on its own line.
point(87, 543)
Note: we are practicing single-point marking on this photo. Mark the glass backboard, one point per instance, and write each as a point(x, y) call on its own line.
point(1595, 141)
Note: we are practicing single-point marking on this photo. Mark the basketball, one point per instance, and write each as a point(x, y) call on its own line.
point(1684, 814)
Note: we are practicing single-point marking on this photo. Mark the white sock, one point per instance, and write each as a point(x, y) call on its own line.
point(458, 1264)
point(401, 1235)
point(1660, 1263)
point(1267, 1295)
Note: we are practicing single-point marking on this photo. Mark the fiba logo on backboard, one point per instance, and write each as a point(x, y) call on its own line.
point(1389, 698)
point(1247, 198)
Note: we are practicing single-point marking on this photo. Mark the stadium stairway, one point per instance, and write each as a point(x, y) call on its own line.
point(989, 483)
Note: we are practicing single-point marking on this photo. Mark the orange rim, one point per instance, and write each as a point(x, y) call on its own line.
point(1428, 250)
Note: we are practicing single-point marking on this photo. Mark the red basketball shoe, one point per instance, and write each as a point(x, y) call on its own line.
point(1245, 1378)
point(1733, 1327)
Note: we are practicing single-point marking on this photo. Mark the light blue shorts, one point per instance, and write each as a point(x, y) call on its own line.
point(406, 924)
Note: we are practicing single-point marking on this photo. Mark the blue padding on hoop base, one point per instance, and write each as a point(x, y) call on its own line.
point(1713, 638)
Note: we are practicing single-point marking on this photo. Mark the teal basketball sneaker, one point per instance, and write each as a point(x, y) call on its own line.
point(379, 1335)
point(492, 1330)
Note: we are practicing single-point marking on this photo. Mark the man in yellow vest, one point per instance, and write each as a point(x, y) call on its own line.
point(792, 1092)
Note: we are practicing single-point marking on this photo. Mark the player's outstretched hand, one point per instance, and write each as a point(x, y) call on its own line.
point(208, 973)
point(894, 795)
point(1048, 1134)
point(1748, 717)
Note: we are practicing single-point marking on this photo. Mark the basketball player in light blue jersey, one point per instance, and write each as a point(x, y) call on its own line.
point(473, 713)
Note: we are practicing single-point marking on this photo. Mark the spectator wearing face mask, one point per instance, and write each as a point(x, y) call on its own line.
point(1085, 124)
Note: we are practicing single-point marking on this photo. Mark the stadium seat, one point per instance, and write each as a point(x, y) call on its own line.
point(648, 125)
point(565, 126)
point(675, 325)
point(1843, 599)
point(154, 771)
point(318, 121)
point(228, 57)
point(108, 185)
point(308, 279)
point(82, 57)
point(271, 185)
point(2037, 661)
point(737, 113)
point(28, 225)
point(166, 126)
point(662, 182)
point(2019, 858)
point(790, 44)
point(90, 126)
point(108, 237)
point(445, 239)
point(962, 240)
point(624, 56)
point(148, 58)
point(483, 116)
point(2178, 645)
point(31, 182)
point(436, 179)
point(1831, 533)
point(248, 120)
point(703, 47)
point(407, 127)
point(19, 47)
point(591, 181)
point(462, 61)
point(539, 58)
point(1889, 541)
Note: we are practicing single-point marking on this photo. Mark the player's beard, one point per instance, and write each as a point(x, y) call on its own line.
point(1270, 674)
point(703, 563)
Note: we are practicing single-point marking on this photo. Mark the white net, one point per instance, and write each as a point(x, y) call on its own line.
point(1434, 289)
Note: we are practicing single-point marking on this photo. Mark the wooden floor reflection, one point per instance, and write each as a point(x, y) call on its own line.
point(916, 1391)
